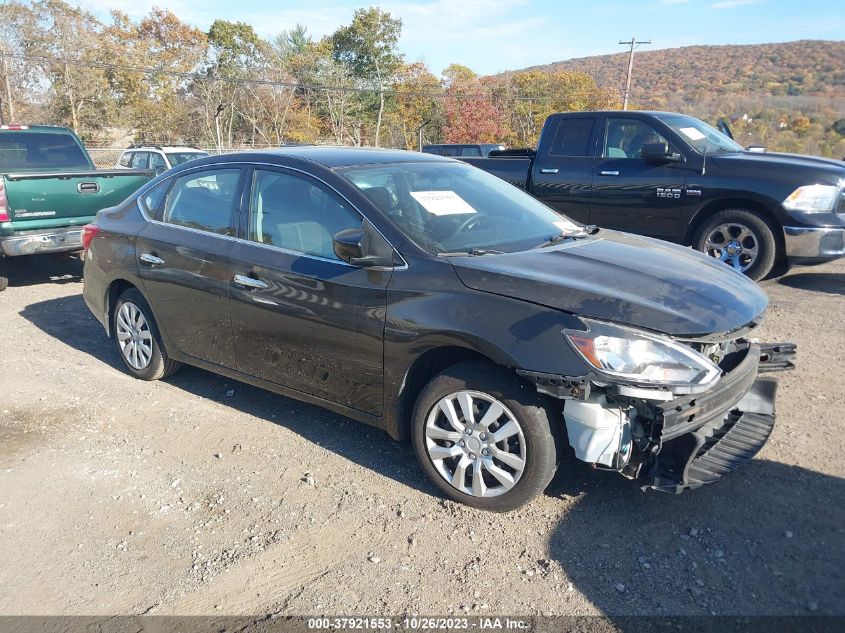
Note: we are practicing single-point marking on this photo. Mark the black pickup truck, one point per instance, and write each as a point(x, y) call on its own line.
point(673, 177)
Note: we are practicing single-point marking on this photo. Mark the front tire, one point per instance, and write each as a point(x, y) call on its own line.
point(484, 437)
point(741, 239)
point(137, 338)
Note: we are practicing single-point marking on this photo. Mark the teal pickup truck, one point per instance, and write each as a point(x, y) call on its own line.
point(49, 190)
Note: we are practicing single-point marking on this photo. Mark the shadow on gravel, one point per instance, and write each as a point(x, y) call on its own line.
point(766, 540)
point(31, 270)
point(830, 283)
point(68, 320)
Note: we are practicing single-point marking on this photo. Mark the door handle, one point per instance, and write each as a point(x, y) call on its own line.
point(548, 170)
point(250, 282)
point(609, 173)
point(149, 258)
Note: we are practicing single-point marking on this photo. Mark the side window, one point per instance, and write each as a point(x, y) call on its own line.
point(470, 151)
point(151, 201)
point(625, 138)
point(126, 159)
point(157, 160)
point(140, 160)
point(205, 200)
point(297, 214)
point(573, 137)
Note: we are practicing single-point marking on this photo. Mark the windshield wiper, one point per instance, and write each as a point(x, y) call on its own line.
point(472, 252)
point(590, 229)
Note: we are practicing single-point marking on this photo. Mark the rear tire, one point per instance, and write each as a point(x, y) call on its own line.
point(505, 460)
point(4, 273)
point(137, 338)
point(740, 238)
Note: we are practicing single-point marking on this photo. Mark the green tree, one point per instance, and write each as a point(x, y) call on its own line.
point(368, 48)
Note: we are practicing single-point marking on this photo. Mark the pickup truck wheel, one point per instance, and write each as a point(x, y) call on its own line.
point(4, 273)
point(138, 340)
point(484, 438)
point(741, 239)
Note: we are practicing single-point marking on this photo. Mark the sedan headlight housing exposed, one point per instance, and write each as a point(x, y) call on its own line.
point(812, 199)
point(640, 357)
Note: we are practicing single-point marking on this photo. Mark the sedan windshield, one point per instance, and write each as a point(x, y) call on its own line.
point(451, 207)
point(701, 136)
point(177, 158)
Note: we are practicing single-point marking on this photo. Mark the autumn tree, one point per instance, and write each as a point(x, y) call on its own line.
point(64, 42)
point(471, 116)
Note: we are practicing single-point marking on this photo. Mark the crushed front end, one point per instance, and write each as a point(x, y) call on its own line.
point(676, 437)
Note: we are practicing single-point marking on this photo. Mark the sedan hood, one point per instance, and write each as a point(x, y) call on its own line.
point(625, 279)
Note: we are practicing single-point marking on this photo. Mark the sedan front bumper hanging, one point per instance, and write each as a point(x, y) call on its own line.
point(705, 436)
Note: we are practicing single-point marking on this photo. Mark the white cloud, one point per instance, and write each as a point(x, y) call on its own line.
point(732, 4)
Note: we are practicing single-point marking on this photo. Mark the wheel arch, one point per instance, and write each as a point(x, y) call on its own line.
point(738, 203)
point(116, 288)
point(424, 368)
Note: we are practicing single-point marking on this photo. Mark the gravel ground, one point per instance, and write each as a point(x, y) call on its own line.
point(200, 495)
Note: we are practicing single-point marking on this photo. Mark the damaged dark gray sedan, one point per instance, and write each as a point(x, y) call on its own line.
point(437, 302)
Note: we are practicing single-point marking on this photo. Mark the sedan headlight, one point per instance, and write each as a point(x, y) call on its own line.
point(812, 199)
point(640, 357)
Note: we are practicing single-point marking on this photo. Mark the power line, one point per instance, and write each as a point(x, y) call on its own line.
point(274, 83)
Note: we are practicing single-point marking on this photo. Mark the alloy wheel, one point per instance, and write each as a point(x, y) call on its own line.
point(475, 443)
point(134, 336)
point(733, 243)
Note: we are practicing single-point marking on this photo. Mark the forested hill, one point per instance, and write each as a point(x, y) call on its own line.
point(788, 97)
point(802, 68)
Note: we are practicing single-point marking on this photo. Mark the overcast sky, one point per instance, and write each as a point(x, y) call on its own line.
point(495, 35)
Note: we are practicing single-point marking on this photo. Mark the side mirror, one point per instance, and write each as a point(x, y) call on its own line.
point(658, 153)
point(353, 246)
point(350, 244)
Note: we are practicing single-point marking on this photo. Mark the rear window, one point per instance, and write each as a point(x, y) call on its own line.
point(40, 151)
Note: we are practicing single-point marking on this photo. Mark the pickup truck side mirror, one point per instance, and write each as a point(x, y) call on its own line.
point(659, 153)
point(356, 247)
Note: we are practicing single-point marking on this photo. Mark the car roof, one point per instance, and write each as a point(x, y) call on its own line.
point(333, 156)
point(166, 148)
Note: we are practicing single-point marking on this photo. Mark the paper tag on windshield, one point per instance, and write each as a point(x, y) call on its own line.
point(442, 202)
point(692, 134)
point(567, 227)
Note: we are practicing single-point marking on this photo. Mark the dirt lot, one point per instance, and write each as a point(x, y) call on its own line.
point(202, 495)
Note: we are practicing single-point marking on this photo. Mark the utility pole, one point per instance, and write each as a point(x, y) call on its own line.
point(633, 43)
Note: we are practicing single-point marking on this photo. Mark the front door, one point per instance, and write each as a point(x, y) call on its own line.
point(302, 318)
point(183, 260)
point(563, 170)
point(630, 194)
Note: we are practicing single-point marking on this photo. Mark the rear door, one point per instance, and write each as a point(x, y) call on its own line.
point(563, 168)
point(303, 318)
point(183, 260)
point(630, 194)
